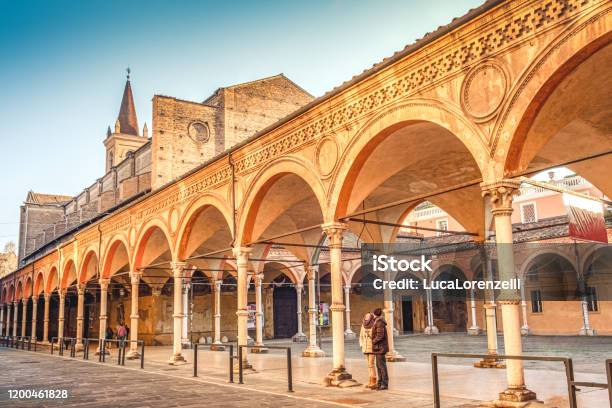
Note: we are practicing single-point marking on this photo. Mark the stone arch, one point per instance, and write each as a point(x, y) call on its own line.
point(51, 283)
point(288, 270)
point(154, 229)
point(19, 291)
point(89, 266)
point(39, 283)
point(191, 213)
point(530, 260)
point(117, 244)
point(69, 273)
point(27, 288)
point(584, 38)
point(11, 293)
point(3, 298)
point(561, 284)
point(375, 131)
point(284, 170)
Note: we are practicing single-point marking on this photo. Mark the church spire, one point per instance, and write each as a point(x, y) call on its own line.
point(127, 113)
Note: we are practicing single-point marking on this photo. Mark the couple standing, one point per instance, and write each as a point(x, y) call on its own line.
point(375, 345)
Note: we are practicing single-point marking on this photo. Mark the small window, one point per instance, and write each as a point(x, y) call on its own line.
point(591, 298)
point(441, 225)
point(536, 301)
point(528, 213)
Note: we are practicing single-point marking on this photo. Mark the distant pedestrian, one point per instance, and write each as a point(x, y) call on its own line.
point(109, 336)
point(121, 332)
point(365, 342)
point(380, 347)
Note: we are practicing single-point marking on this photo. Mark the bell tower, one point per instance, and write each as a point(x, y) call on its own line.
point(125, 137)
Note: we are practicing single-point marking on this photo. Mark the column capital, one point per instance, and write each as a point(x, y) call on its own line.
point(62, 292)
point(312, 271)
point(299, 287)
point(104, 282)
point(218, 284)
point(334, 231)
point(242, 255)
point(15, 303)
point(259, 277)
point(81, 289)
point(500, 193)
point(135, 277)
point(47, 296)
point(347, 287)
point(25, 301)
point(34, 298)
point(178, 268)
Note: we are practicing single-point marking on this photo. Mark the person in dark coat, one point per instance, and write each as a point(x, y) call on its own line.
point(380, 347)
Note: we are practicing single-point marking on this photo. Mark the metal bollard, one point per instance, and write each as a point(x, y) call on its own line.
point(289, 371)
point(125, 344)
point(85, 349)
point(231, 363)
point(119, 348)
point(142, 355)
point(240, 364)
point(195, 360)
point(436, 388)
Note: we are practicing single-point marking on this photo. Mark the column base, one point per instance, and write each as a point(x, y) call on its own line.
point(431, 330)
point(394, 356)
point(246, 366)
point(491, 362)
point(518, 398)
point(313, 351)
point(132, 355)
point(586, 332)
point(98, 351)
point(78, 347)
point(186, 344)
point(349, 335)
point(525, 331)
point(217, 347)
point(299, 338)
point(339, 378)
point(474, 331)
point(177, 359)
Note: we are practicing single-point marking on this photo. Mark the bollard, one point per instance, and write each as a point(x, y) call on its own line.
point(104, 351)
point(142, 355)
point(123, 354)
point(231, 363)
point(119, 347)
point(289, 371)
point(195, 360)
point(240, 364)
point(85, 349)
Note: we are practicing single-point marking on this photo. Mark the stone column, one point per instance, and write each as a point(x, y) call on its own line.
point(34, 317)
point(80, 316)
point(500, 194)
point(217, 346)
point(185, 341)
point(46, 318)
point(525, 326)
point(242, 262)
point(8, 319)
point(348, 332)
point(299, 337)
point(388, 311)
point(431, 328)
point(177, 272)
point(473, 330)
point(15, 317)
point(24, 314)
point(2, 320)
point(134, 316)
point(103, 306)
point(259, 314)
point(338, 376)
point(313, 349)
point(62, 308)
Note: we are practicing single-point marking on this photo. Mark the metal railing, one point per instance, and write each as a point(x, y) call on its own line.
point(121, 350)
point(289, 367)
point(230, 346)
point(567, 362)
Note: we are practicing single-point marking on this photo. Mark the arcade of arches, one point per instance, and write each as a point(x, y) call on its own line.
point(245, 248)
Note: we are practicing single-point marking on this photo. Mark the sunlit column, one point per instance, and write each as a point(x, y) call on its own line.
point(80, 316)
point(8, 319)
point(313, 349)
point(348, 332)
point(473, 330)
point(177, 271)
point(258, 310)
point(299, 337)
point(134, 316)
point(34, 317)
point(103, 306)
point(2, 306)
point(388, 310)
point(500, 194)
point(525, 326)
point(45, 338)
point(217, 346)
point(62, 308)
point(431, 328)
point(15, 317)
point(242, 261)
point(338, 376)
point(185, 329)
point(24, 314)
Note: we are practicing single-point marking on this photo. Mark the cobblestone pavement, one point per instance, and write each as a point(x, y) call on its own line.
point(91, 384)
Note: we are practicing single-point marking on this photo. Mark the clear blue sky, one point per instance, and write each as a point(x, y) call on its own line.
point(63, 68)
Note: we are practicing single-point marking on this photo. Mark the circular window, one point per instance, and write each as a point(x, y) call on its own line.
point(199, 132)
